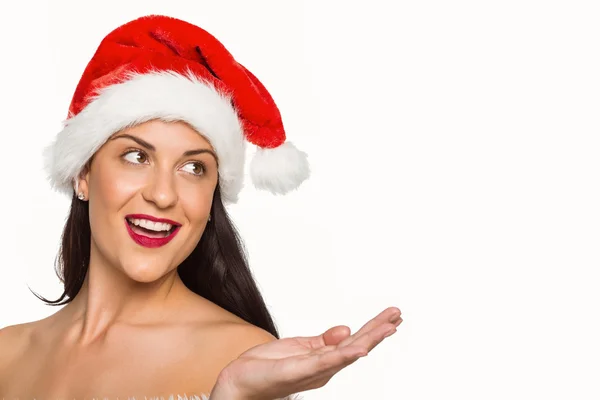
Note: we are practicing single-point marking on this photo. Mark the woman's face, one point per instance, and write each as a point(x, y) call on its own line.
point(150, 190)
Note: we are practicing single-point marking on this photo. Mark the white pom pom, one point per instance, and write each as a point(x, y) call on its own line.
point(279, 170)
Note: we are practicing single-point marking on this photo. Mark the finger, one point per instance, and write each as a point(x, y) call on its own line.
point(335, 335)
point(335, 361)
point(307, 372)
point(334, 358)
point(369, 340)
point(343, 357)
point(331, 337)
point(314, 366)
point(323, 363)
point(358, 354)
point(390, 314)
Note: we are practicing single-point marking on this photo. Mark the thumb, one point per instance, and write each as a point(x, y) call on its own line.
point(333, 336)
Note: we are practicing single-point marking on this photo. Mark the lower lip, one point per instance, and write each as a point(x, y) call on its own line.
point(148, 241)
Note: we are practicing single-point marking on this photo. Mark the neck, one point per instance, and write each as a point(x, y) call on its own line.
point(109, 298)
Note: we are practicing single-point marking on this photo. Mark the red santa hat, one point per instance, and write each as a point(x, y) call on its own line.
point(159, 67)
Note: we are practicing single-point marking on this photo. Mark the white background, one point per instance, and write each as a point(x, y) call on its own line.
point(455, 153)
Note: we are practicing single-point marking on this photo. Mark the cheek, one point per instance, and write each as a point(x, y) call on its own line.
point(114, 184)
point(110, 188)
point(196, 201)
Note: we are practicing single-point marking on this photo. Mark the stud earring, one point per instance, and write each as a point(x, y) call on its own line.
point(80, 196)
point(209, 218)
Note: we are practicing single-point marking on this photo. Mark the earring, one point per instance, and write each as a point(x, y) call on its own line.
point(80, 196)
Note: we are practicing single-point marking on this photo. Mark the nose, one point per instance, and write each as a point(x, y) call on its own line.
point(160, 189)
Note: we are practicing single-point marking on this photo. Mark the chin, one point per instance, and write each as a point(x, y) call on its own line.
point(145, 271)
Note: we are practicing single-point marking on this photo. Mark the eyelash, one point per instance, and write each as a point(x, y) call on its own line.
point(133, 150)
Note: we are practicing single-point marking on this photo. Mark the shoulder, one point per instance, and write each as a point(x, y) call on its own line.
point(227, 340)
point(243, 336)
point(214, 346)
point(13, 338)
point(14, 341)
point(216, 339)
point(222, 328)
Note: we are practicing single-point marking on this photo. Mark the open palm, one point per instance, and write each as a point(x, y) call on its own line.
point(286, 366)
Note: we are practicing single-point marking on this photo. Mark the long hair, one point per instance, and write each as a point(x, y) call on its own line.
point(217, 269)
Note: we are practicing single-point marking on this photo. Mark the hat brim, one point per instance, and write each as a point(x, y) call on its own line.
point(164, 95)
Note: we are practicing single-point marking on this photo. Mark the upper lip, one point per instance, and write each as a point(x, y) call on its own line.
point(151, 218)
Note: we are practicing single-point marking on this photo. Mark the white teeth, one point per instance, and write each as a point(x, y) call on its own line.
point(153, 226)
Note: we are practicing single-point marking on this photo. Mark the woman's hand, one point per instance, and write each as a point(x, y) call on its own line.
point(286, 366)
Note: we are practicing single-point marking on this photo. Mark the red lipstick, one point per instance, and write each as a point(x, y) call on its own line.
point(147, 241)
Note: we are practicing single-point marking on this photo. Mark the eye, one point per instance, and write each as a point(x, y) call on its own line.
point(194, 168)
point(136, 157)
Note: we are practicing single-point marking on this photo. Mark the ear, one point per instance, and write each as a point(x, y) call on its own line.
point(81, 183)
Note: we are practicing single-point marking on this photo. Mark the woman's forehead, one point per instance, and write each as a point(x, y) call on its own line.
point(166, 134)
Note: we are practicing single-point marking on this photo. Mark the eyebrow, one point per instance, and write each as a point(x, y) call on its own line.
point(150, 147)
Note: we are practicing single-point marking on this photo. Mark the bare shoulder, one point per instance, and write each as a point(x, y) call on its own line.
point(222, 343)
point(14, 340)
point(232, 336)
point(242, 336)
point(222, 328)
point(218, 340)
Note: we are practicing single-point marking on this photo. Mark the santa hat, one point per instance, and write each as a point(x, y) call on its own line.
point(159, 67)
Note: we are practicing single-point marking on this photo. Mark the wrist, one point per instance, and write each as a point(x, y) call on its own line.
point(219, 394)
point(225, 390)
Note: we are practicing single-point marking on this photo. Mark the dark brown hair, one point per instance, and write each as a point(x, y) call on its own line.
point(217, 269)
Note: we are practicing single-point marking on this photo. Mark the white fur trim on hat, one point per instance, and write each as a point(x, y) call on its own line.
point(163, 95)
point(280, 169)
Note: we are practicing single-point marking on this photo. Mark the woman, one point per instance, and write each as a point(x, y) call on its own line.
point(158, 296)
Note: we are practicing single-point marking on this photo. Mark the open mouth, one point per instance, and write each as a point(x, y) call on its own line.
point(151, 229)
point(148, 231)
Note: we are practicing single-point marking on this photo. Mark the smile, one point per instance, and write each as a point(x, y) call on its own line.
point(148, 231)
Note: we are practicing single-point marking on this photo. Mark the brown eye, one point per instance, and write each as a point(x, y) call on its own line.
point(195, 168)
point(136, 157)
